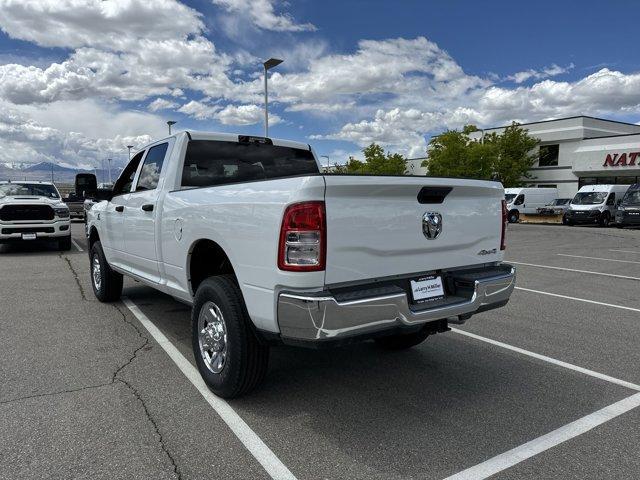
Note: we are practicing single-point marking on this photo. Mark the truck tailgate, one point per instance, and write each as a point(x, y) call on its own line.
point(374, 225)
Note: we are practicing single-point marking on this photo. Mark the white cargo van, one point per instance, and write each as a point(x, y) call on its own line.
point(527, 200)
point(595, 204)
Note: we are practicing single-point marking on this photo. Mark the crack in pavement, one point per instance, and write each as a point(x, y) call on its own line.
point(75, 276)
point(115, 377)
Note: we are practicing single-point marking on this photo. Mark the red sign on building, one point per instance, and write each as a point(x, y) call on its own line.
point(621, 159)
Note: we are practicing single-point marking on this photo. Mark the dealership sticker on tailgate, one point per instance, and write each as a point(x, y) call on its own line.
point(427, 289)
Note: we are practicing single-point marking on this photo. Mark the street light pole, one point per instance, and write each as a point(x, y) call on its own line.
point(272, 62)
point(170, 122)
point(129, 147)
point(109, 160)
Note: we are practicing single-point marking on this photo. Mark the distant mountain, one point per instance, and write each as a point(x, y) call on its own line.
point(47, 167)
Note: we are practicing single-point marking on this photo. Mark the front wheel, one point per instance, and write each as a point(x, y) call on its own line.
point(513, 216)
point(229, 355)
point(403, 340)
point(605, 220)
point(106, 283)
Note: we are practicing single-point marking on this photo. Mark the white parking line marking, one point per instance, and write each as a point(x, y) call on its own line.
point(261, 452)
point(597, 258)
point(623, 251)
point(577, 271)
point(554, 361)
point(75, 244)
point(612, 305)
point(545, 442)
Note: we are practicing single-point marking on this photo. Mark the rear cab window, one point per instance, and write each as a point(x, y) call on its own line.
point(211, 162)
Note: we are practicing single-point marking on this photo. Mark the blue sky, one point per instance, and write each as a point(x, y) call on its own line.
point(81, 79)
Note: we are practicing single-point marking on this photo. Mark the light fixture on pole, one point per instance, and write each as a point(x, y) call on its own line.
point(109, 160)
point(129, 147)
point(170, 122)
point(272, 62)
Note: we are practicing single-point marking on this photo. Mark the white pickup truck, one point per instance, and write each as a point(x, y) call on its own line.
point(268, 250)
point(33, 210)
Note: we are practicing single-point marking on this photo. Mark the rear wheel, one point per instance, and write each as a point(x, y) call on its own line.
point(106, 283)
point(229, 355)
point(402, 341)
point(514, 215)
point(605, 219)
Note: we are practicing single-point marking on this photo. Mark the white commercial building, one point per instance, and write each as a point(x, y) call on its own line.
point(579, 151)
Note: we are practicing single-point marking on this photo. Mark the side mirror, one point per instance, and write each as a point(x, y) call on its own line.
point(86, 184)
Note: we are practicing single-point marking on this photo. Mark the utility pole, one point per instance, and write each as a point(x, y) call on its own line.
point(129, 147)
point(109, 160)
point(170, 122)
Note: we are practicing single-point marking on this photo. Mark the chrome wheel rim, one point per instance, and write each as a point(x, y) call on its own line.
point(96, 272)
point(212, 337)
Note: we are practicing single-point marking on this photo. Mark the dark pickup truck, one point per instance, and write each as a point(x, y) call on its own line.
point(75, 204)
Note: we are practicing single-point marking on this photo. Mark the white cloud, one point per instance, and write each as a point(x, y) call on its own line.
point(161, 104)
point(199, 110)
point(27, 138)
point(263, 15)
point(108, 24)
point(244, 115)
point(546, 72)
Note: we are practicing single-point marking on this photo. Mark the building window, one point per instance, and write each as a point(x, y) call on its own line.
point(547, 185)
point(549, 155)
point(627, 180)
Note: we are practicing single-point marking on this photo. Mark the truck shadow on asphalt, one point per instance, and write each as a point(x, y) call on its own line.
point(429, 403)
point(35, 247)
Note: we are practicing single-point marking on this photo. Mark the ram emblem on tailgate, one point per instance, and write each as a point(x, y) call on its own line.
point(431, 225)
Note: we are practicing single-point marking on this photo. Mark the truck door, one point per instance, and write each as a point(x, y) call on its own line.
point(140, 216)
point(112, 236)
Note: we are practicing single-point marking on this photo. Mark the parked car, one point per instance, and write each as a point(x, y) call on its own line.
point(75, 204)
point(527, 200)
point(595, 204)
point(628, 213)
point(268, 250)
point(31, 211)
point(556, 207)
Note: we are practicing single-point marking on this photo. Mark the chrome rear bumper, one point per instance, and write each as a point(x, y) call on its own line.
point(320, 317)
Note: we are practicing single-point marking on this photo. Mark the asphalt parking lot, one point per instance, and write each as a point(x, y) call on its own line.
point(547, 387)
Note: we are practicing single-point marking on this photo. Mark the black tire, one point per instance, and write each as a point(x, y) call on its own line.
point(109, 288)
point(605, 220)
point(513, 217)
point(402, 341)
point(620, 226)
point(246, 358)
point(566, 221)
point(64, 244)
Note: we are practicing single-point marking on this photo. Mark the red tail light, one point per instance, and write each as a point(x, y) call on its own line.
point(503, 244)
point(303, 238)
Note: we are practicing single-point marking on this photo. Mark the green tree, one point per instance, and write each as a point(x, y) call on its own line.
point(376, 162)
point(507, 156)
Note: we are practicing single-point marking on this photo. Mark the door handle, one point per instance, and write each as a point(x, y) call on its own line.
point(120, 208)
point(147, 207)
